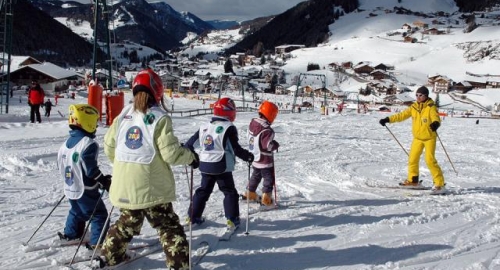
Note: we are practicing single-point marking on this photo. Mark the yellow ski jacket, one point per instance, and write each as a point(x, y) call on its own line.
point(422, 114)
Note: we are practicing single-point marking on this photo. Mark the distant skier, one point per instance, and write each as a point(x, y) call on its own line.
point(426, 121)
point(36, 95)
point(262, 145)
point(219, 145)
point(77, 163)
point(48, 107)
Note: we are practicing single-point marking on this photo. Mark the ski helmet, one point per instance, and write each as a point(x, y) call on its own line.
point(148, 81)
point(83, 116)
point(226, 108)
point(269, 110)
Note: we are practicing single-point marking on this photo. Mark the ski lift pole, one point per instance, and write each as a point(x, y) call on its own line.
point(396, 140)
point(442, 145)
point(59, 202)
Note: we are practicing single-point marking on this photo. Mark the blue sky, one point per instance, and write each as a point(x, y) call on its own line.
point(228, 9)
point(232, 9)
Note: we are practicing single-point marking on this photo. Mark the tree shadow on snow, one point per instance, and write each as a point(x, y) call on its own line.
point(314, 257)
point(317, 220)
point(336, 204)
point(492, 190)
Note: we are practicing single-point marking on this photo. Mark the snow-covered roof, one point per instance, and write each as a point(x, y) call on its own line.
point(18, 61)
point(405, 97)
point(53, 71)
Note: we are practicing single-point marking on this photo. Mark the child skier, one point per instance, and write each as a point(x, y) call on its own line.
point(142, 147)
point(262, 145)
point(218, 141)
point(77, 163)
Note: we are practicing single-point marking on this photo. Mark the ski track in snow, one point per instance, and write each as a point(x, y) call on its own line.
point(328, 217)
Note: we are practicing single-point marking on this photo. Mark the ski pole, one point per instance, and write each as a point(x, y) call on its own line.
point(396, 140)
point(86, 229)
point(59, 202)
point(446, 153)
point(248, 200)
point(275, 188)
point(190, 185)
point(104, 229)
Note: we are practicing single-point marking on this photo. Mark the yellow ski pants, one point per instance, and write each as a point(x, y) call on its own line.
point(417, 147)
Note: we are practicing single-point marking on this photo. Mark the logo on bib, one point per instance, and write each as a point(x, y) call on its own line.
point(134, 138)
point(208, 143)
point(68, 176)
point(219, 129)
point(250, 143)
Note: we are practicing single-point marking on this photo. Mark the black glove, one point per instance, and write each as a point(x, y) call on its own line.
point(250, 159)
point(196, 161)
point(384, 121)
point(435, 125)
point(104, 181)
point(277, 144)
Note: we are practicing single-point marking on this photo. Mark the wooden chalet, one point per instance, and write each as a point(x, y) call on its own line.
point(406, 26)
point(347, 65)
point(383, 67)
point(433, 31)
point(383, 86)
point(463, 87)
point(420, 24)
point(50, 76)
point(441, 84)
point(363, 68)
point(379, 74)
point(287, 48)
point(493, 83)
point(409, 39)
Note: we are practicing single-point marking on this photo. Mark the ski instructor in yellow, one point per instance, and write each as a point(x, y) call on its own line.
point(426, 121)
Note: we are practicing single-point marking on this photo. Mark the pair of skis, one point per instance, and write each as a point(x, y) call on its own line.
point(408, 187)
point(262, 207)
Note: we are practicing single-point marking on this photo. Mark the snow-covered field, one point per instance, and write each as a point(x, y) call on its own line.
point(329, 219)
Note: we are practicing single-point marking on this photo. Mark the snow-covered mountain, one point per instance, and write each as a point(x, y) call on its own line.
point(335, 172)
point(155, 24)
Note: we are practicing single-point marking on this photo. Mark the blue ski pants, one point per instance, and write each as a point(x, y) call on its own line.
point(80, 213)
point(225, 182)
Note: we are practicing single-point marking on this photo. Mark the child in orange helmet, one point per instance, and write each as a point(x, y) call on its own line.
point(262, 144)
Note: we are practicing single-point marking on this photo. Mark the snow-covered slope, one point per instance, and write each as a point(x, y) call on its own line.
point(329, 218)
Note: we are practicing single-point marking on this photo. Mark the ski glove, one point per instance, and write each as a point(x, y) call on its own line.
point(104, 181)
point(434, 125)
point(250, 159)
point(196, 161)
point(276, 144)
point(384, 121)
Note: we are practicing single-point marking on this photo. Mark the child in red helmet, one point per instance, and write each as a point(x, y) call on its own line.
point(218, 142)
point(262, 145)
point(142, 147)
